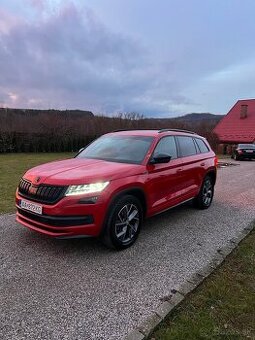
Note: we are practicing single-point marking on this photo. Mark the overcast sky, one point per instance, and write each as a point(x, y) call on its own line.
point(159, 58)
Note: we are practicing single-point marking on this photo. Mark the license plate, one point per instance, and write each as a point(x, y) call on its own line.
point(250, 151)
point(35, 208)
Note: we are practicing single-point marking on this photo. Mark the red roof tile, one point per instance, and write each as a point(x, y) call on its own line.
point(233, 128)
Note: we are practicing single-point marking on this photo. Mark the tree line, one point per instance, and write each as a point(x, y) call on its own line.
point(59, 131)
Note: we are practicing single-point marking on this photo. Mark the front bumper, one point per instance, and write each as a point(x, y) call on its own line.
point(67, 218)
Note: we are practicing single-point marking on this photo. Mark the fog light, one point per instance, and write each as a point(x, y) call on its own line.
point(88, 200)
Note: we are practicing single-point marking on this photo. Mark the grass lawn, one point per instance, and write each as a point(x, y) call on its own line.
point(12, 167)
point(222, 307)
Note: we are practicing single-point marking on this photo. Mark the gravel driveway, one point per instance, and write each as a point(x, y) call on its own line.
point(77, 289)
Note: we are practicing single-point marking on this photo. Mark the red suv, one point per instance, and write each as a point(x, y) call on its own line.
point(115, 182)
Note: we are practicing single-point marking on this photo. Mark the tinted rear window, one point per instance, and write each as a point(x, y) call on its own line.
point(187, 146)
point(202, 146)
point(246, 146)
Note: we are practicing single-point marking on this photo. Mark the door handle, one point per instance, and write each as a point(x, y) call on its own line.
point(202, 164)
point(179, 170)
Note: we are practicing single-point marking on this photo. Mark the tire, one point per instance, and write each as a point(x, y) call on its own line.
point(236, 158)
point(205, 196)
point(120, 232)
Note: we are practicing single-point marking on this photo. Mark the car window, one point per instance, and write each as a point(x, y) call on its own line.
point(202, 146)
point(187, 146)
point(246, 146)
point(166, 146)
point(124, 149)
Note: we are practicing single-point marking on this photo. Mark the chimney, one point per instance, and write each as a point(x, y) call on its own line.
point(244, 109)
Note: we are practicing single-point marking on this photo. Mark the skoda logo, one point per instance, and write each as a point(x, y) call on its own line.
point(32, 190)
point(37, 179)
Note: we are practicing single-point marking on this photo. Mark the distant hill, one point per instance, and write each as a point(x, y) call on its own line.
point(199, 117)
point(189, 121)
point(42, 121)
point(34, 112)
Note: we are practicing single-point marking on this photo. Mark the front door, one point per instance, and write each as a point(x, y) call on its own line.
point(164, 180)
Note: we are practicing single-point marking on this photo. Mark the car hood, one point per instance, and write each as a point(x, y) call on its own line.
point(80, 171)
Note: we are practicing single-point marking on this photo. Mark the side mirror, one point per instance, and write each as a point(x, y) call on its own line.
point(160, 158)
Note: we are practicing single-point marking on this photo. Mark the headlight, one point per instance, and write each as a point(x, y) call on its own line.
point(86, 188)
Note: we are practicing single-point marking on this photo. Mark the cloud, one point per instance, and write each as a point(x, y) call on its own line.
point(225, 86)
point(179, 57)
point(7, 21)
point(37, 4)
point(69, 59)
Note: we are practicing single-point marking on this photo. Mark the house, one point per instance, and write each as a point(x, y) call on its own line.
point(238, 126)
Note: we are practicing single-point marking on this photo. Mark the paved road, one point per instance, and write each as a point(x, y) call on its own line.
point(77, 289)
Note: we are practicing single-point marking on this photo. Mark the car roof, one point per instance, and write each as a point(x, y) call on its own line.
point(154, 132)
point(247, 144)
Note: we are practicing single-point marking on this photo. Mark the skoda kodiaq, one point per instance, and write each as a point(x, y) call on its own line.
point(110, 186)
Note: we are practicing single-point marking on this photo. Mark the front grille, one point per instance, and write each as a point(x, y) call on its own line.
point(41, 193)
point(58, 221)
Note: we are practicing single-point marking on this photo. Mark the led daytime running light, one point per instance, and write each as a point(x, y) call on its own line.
point(86, 188)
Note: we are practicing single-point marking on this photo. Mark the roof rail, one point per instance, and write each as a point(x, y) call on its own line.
point(177, 130)
point(134, 129)
point(154, 129)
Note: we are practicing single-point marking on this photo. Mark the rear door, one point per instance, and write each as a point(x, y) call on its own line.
point(192, 166)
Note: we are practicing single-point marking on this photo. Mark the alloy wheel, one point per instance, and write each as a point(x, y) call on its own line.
point(127, 223)
point(207, 192)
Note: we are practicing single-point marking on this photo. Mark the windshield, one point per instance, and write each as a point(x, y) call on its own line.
point(246, 146)
point(123, 149)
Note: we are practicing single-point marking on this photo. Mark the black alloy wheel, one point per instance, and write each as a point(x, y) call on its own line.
point(123, 223)
point(205, 196)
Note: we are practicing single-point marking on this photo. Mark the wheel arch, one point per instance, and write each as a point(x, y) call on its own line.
point(212, 174)
point(134, 191)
